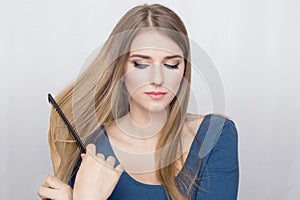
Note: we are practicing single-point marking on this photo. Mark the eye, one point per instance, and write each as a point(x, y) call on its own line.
point(140, 66)
point(172, 66)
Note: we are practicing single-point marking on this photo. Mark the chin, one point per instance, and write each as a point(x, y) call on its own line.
point(155, 107)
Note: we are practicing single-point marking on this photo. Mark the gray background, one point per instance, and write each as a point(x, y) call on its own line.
point(254, 44)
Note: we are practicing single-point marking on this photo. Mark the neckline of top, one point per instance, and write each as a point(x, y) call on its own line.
point(131, 179)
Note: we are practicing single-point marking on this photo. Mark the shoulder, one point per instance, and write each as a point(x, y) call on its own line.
point(219, 124)
point(223, 126)
point(219, 142)
point(215, 131)
point(214, 121)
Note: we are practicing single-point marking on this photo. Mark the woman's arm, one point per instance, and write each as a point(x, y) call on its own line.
point(219, 176)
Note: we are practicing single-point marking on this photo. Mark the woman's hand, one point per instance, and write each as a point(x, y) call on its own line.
point(96, 177)
point(53, 188)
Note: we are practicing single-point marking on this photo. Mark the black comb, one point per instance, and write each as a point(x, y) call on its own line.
point(71, 129)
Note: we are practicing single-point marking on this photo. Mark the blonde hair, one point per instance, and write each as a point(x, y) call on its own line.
point(87, 101)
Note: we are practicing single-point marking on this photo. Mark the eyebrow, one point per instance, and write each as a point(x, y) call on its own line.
point(148, 57)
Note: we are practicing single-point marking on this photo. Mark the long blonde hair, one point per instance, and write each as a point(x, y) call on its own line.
point(87, 101)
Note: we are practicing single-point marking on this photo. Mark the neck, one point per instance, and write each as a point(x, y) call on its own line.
point(145, 118)
point(143, 124)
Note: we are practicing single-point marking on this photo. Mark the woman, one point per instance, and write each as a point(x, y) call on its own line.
point(130, 107)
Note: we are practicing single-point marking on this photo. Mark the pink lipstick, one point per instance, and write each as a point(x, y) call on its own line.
point(156, 95)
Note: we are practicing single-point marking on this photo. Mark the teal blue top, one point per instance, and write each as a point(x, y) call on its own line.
point(215, 147)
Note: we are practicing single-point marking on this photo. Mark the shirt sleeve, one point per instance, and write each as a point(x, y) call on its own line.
point(219, 175)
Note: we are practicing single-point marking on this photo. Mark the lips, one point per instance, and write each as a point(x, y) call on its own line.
point(156, 94)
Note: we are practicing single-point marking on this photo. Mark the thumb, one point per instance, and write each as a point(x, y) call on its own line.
point(53, 182)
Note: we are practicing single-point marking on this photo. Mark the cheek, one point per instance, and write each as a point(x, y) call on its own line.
point(134, 79)
point(172, 80)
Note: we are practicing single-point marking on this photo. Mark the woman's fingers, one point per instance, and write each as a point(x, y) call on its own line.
point(100, 156)
point(46, 193)
point(54, 188)
point(53, 182)
point(120, 168)
point(91, 149)
point(110, 160)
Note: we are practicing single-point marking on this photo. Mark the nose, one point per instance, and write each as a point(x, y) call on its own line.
point(156, 75)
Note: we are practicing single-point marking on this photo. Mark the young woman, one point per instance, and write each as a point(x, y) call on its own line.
point(130, 108)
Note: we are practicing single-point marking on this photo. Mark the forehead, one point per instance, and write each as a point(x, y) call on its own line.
point(154, 40)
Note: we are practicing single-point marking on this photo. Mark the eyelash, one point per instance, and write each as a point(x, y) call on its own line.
point(143, 66)
point(140, 66)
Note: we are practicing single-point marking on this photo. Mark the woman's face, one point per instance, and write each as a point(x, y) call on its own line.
point(154, 71)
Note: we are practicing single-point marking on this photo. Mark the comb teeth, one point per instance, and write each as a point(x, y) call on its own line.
point(64, 118)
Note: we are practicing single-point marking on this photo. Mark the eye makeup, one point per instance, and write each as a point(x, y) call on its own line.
point(172, 66)
point(140, 66)
point(143, 66)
